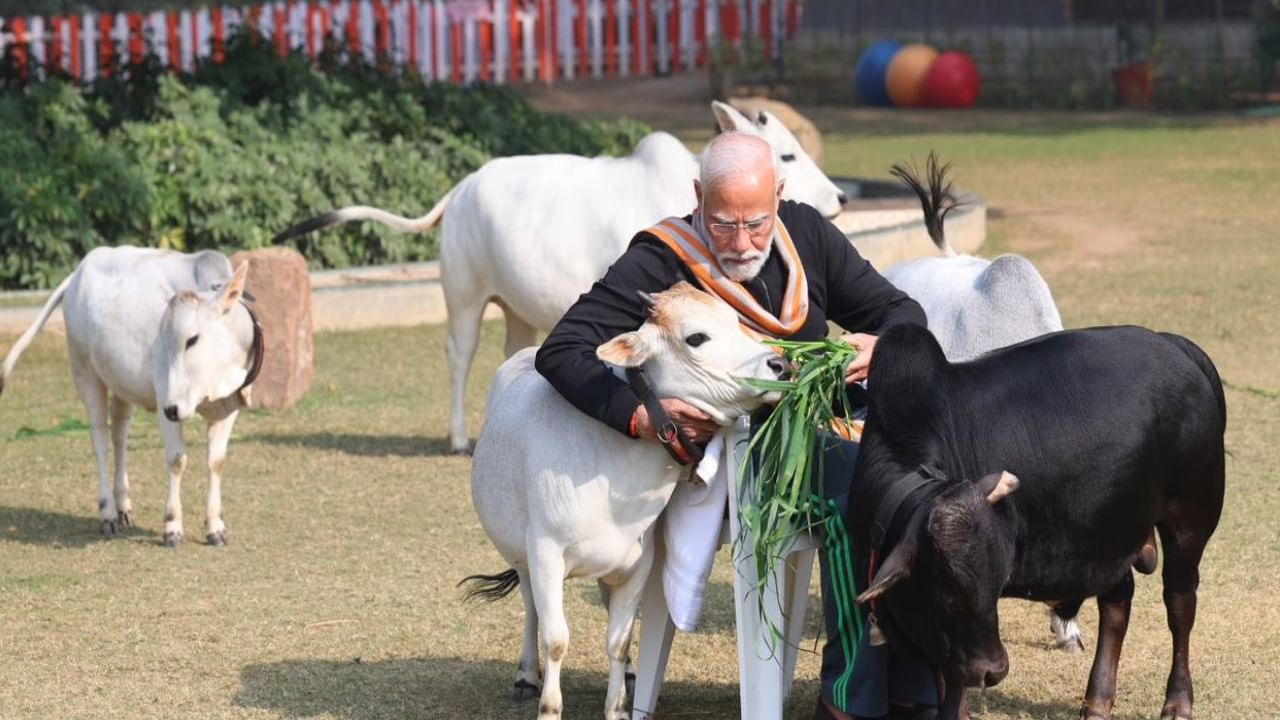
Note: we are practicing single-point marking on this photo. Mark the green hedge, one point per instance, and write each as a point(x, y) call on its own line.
point(232, 154)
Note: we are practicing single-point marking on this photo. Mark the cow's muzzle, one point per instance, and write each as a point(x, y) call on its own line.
point(171, 412)
point(986, 673)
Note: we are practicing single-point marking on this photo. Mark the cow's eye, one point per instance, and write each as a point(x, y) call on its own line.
point(789, 157)
point(192, 341)
point(696, 339)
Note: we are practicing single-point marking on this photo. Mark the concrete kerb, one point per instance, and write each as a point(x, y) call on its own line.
point(410, 294)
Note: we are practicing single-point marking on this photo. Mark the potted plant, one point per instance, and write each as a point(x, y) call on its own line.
point(1134, 77)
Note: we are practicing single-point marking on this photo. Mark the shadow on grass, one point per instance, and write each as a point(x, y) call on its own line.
point(362, 445)
point(451, 688)
point(55, 529)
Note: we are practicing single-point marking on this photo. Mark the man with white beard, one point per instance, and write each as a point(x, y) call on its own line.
point(787, 271)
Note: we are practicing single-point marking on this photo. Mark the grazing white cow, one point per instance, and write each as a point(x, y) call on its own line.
point(562, 496)
point(162, 330)
point(533, 232)
point(975, 306)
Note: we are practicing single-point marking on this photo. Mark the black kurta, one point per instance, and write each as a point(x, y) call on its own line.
point(843, 288)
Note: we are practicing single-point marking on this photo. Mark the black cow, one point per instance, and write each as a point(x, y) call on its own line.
point(1107, 432)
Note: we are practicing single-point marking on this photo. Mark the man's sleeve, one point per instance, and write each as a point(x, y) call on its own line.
point(859, 299)
point(567, 359)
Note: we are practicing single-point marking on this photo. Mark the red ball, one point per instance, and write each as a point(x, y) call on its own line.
point(952, 81)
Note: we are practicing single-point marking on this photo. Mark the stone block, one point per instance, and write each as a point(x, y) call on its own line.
point(281, 287)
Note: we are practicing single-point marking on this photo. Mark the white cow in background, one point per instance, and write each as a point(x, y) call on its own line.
point(975, 306)
point(162, 330)
point(561, 495)
point(533, 232)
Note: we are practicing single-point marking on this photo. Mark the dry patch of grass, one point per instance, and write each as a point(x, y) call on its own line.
point(349, 526)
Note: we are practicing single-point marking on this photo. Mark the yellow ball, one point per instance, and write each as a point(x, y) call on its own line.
point(905, 76)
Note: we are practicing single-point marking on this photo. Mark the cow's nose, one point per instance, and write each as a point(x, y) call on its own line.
point(171, 412)
point(780, 366)
point(843, 199)
point(996, 673)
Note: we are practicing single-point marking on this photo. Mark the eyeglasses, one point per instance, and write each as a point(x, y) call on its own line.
point(754, 228)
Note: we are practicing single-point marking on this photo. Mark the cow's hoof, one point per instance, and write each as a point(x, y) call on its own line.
point(1093, 712)
point(217, 539)
point(172, 539)
point(124, 519)
point(524, 691)
point(108, 528)
point(462, 452)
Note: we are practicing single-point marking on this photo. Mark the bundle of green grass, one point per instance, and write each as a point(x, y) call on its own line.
point(784, 460)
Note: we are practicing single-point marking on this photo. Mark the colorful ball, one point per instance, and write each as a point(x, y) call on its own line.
point(952, 81)
point(905, 76)
point(869, 74)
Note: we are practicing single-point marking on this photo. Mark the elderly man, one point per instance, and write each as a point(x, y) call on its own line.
point(787, 271)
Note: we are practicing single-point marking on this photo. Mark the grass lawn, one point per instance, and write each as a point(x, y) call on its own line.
point(350, 526)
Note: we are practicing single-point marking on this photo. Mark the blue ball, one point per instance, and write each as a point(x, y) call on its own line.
point(869, 74)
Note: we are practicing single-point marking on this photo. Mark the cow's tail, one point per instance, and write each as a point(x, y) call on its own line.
point(363, 212)
point(19, 347)
point(935, 199)
point(491, 587)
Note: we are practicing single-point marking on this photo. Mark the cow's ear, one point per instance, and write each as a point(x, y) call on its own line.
point(895, 569)
point(728, 118)
point(627, 350)
point(234, 290)
point(998, 486)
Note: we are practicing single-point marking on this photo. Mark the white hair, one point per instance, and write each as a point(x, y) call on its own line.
point(734, 154)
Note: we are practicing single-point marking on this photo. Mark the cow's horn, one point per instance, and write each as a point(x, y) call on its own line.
point(998, 486)
point(649, 299)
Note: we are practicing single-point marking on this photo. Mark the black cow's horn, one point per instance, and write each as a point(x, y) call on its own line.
point(997, 486)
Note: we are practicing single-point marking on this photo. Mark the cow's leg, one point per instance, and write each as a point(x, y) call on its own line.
point(624, 601)
point(94, 394)
point(464, 337)
point(218, 435)
point(1113, 622)
point(520, 334)
point(1184, 533)
point(528, 674)
point(121, 415)
point(1062, 621)
point(175, 459)
point(546, 575)
point(605, 593)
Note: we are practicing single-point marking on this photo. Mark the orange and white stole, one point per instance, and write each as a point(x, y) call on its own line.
point(689, 245)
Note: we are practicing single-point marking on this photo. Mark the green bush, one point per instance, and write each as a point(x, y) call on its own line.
point(231, 154)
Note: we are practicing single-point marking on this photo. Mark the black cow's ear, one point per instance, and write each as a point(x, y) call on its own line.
point(895, 569)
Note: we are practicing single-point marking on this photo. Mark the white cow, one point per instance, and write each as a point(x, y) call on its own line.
point(162, 330)
point(533, 232)
point(975, 306)
point(561, 495)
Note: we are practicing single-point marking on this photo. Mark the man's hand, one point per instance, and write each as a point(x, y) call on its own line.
point(696, 425)
point(865, 344)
